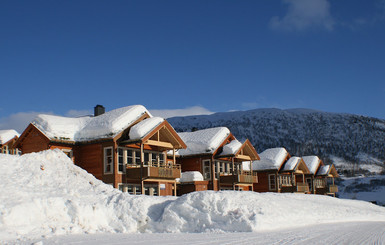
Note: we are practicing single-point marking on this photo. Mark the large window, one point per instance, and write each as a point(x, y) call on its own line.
point(284, 180)
point(206, 167)
point(108, 160)
point(272, 182)
point(135, 189)
point(132, 157)
point(320, 183)
point(222, 168)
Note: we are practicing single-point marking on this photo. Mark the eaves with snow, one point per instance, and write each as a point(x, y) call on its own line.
point(312, 163)
point(205, 141)
point(7, 134)
point(271, 159)
point(107, 125)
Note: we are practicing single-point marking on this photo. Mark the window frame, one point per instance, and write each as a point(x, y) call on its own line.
point(105, 149)
point(274, 180)
point(204, 172)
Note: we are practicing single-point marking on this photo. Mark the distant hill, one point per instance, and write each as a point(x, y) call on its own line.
point(349, 141)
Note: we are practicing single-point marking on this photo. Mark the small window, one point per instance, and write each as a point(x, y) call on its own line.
point(206, 169)
point(108, 160)
point(272, 182)
point(130, 157)
point(120, 160)
point(137, 157)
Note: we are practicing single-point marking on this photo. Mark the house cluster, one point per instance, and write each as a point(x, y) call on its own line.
point(141, 154)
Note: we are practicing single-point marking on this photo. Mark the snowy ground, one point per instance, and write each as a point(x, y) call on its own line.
point(340, 233)
point(364, 188)
point(44, 197)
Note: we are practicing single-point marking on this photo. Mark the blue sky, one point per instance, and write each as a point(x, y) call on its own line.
point(64, 57)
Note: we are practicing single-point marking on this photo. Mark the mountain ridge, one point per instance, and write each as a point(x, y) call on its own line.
point(301, 131)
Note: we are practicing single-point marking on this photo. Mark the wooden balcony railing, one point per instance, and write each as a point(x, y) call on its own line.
point(246, 177)
point(153, 170)
point(299, 187)
point(333, 188)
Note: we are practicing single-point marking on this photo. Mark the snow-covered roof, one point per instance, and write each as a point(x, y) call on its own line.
point(203, 141)
point(191, 176)
point(270, 159)
point(231, 148)
point(324, 170)
point(312, 163)
point(86, 128)
point(7, 134)
point(291, 164)
point(141, 129)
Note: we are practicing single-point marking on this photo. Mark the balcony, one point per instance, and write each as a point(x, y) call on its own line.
point(245, 177)
point(333, 188)
point(299, 187)
point(153, 171)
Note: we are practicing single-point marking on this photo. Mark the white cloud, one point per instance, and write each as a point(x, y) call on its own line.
point(304, 14)
point(19, 121)
point(189, 111)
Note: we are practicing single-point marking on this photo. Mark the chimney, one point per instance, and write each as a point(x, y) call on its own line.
point(99, 110)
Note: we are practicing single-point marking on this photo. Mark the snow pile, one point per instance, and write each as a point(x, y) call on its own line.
point(312, 163)
point(230, 211)
point(44, 194)
point(144, 127)
point(7, 134)
point(231, 148)
point(203, 141)
point(191, 176)
point(271, 159)
point(291, 164)
point(87, 128)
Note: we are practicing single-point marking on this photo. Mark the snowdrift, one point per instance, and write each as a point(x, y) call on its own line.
point(44, 194)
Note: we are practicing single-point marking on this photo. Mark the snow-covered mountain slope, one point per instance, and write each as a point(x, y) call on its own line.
point(45, 194)
point(351, 138)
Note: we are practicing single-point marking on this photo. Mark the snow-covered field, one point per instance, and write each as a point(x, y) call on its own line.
point(44, 197)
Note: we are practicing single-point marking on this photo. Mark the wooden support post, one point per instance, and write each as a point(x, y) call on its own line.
point(232, 163)
point(175, 188)
point(141, 168)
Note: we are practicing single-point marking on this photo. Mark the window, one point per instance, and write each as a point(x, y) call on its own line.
point(284, 180)
point(206, 169)
point(309, 183)
point(68, 152)
point(137, 157)
point(272, 182)
point(319, 183)
point(151, 190)
point(108, 160)
point(5, 149)
point(121, 160)
point(130, 157)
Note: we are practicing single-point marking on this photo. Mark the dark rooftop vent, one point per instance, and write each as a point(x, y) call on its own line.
point(99, 110)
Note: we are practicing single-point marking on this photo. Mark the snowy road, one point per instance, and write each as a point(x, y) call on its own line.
point(339, 233)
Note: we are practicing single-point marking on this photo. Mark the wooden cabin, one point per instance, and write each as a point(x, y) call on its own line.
point(324, 180)
point(8, 140)
point(321, 178)
point(125, 147)
point(313, 163)
point(220, 158)
point(292, 176)
point(268, 169)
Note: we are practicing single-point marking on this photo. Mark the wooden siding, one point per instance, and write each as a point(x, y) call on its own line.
point(154, 172)
point(34, 141)
point(263, 182)
point(90, 158)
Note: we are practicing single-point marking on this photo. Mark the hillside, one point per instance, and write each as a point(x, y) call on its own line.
point(347, 140)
